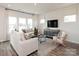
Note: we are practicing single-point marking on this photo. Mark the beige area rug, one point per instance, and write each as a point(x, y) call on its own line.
point(68, 50)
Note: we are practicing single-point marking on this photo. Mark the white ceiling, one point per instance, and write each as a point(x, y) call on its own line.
point(37, 8)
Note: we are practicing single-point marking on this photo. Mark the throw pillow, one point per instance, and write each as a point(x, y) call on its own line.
point(24, 30)
point(22, 35)
point(29, 35)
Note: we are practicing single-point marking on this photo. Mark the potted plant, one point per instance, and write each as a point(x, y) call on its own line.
point(35, 31)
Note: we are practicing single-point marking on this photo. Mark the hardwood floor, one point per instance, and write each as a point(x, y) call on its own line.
point(71, 49)
point(6, 49)
point(44, 49)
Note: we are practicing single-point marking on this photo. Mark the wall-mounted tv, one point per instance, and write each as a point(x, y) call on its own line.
point(52, 23)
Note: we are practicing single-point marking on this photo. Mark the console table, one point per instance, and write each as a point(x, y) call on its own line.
point(49, 33)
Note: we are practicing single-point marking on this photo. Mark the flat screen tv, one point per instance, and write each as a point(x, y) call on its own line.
point(52, 23)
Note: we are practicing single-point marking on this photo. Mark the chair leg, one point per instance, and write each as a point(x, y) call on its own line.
point(62, 45)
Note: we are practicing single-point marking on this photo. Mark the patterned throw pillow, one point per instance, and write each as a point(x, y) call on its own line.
point(29, 35)
point(24, 30)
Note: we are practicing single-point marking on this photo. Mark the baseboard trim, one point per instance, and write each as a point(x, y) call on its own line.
point(72, 44)
point(5, 41)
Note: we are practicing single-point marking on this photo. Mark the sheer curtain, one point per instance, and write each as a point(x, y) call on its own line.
point(22, 21)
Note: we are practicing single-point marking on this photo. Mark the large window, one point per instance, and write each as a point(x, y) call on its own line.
point(30, 23)
point(12, 23)
point(70, 18)
point(22, 23)
point(19, 23)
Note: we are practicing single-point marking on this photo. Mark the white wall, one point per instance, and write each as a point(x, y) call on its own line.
point(35, 21)
point(71, 28)
point(3, 24)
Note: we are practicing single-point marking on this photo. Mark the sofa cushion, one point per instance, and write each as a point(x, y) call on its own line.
point(29, 30)
point(22, 35)
point(24, 30)
point(29, 35)
point(15, 35)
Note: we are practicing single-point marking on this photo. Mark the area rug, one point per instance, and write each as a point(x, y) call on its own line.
point(64, 51)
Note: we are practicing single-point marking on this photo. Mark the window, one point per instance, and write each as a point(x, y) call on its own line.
point(42, 21)
point(12, 23)
point(22, 23)
point(30, 23)
point(70, 18)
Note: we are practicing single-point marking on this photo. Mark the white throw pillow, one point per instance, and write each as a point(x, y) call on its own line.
point(22, 36)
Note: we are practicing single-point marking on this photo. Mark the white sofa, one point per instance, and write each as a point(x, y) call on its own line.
point(24, 47)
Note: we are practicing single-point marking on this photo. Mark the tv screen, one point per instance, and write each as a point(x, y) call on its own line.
point(52, 23)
